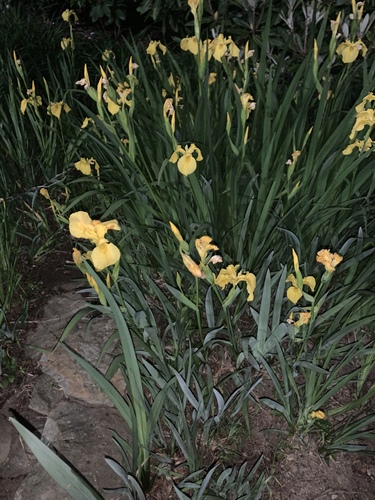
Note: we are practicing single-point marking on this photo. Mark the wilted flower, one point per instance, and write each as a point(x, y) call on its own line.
point(335, 25)
point(304, 318)
point(85, 81)
point(152, 50)
point(192, 266)
point(92, 283)
point(203, 246)
point(328, 259)
point(212, 78)
point(318, 414)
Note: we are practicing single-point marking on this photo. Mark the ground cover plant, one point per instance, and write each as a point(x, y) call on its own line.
point(219, 193)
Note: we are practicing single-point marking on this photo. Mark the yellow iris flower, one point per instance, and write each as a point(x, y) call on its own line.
point(105, 253)
point(349, 51)
point(229, 276)
point(55, 108)
point(294, 292)
point(187, 164)
point(67, 14)
point(84, 165)
point(152, 48)
point(361, 145)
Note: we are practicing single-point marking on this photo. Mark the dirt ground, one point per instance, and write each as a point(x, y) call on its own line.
point(294, 470)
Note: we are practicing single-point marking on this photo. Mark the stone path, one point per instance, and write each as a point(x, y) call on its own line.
point(66, 407)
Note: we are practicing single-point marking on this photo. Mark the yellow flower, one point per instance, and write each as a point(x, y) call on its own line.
point(190, 43)
point(108, 55)
point(318, 414)
point(187, 164)
point(328, 259)
point(363, 118)
point(229, 276)
point(105, 254)
point(86, 122)
point(304, 318)
point(294, 292)
point(67, 14)
point(176, 232)
point(113, 107)
point(193, 4)
point(82, 226)
point(251, 282)
point(84, 165)
point(219, 47)
point(92, 283)
point(123, 93)
point(34, 99)
point(370, 97)
point(192, 266)
point(85, 81)
point(361, 145)
point(45, 193)
point(247, 103)
point(55, 108)
point(349, 51)
point(77, 256)
point(234, 51)
point(152, 50)
point(203, 246)
point(212, 78)
point(101, 228)
point(66, 42)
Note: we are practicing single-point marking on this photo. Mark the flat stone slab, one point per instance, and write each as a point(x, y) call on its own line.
point(87, 338)
point(45, 395)
point(81, 434)
point(66, 406)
